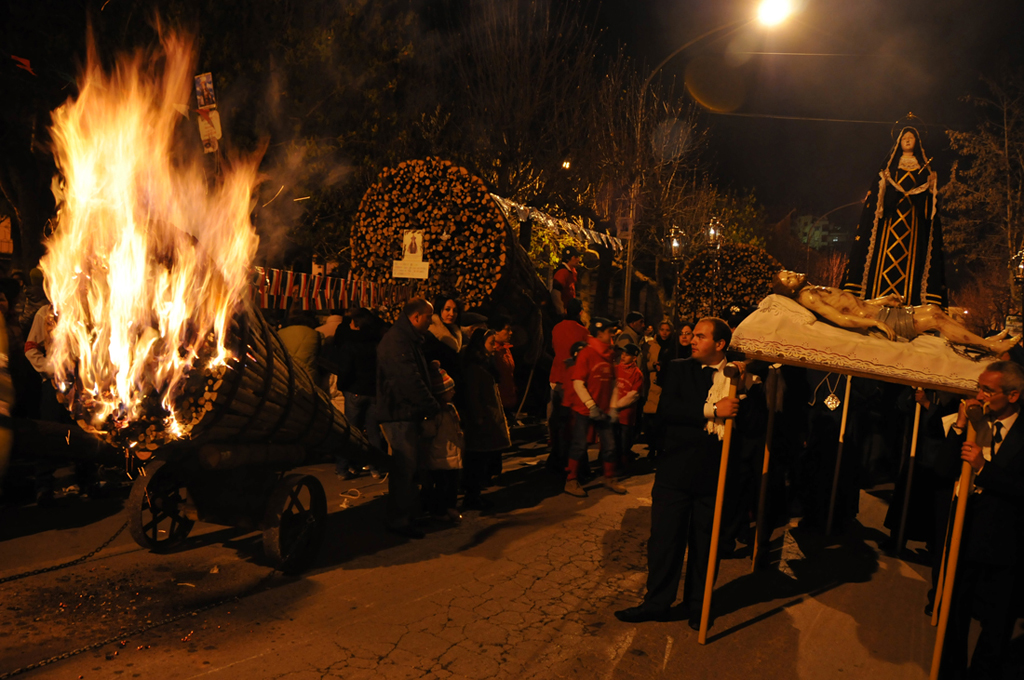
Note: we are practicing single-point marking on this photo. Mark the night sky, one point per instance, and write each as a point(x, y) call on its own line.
point(917, 56)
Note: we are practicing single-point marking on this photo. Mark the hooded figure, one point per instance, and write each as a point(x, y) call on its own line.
point(898, 245)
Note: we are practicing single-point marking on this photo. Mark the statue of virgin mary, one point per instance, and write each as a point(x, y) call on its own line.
point(898, 244)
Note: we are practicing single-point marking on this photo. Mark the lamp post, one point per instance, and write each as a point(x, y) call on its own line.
point(715, 238)
point(1017, 268)
point(674, 248)
point(770, 13)
point(676, 245)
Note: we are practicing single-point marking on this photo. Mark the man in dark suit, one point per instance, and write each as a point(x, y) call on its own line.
point(693, 408)
point(988, 578)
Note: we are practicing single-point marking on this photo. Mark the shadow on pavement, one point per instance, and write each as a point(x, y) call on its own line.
point(70, 512)
point(359, 531)
point(821, 565)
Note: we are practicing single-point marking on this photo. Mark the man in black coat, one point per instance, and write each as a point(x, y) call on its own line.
point(354, 353)
point(692, 411)
point(404, 402)
point(991, 564)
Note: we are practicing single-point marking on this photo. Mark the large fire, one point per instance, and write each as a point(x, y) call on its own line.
point(149, 258)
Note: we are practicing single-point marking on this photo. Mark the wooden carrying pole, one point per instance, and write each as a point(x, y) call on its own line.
point(910, 480)
point(942, 565)
point(839, 459)
point(760, 540)
point(731, 372)
point(965, 488)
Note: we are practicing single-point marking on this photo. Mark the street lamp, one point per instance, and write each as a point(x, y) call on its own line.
point(770, 13)
point(715, 239)
point(715, 233)
point(674, 247)
point(774, 12)
point(1017, 269)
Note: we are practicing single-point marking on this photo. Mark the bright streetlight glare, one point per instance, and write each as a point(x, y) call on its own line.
point(774, 12)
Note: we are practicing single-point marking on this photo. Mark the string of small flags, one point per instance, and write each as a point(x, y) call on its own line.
point(273, 288)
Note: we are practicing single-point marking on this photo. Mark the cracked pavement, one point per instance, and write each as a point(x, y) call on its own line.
point(527, 592)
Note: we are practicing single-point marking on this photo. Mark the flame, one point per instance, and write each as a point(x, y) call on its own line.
point(147, 263)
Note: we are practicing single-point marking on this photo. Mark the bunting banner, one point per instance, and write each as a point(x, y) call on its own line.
point(304, 291)
point(318, 301)
point(281, 289)
point(288, 289)
point(329, 284)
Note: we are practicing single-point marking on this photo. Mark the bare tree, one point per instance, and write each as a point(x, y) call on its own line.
point(985, 194)
point(829, 267)
point(986, 299)
point(522, 79)
point(648, 147)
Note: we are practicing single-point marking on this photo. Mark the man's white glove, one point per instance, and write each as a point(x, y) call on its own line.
point(613, 414)
point(596, 413)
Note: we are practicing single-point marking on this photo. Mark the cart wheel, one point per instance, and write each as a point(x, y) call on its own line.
point(293, 526)
point(157, 503)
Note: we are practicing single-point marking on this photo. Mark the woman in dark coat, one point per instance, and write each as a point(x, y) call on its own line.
point(483, 418)
point(444, 341)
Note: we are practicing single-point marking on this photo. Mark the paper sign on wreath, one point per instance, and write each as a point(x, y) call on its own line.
point(411, 266)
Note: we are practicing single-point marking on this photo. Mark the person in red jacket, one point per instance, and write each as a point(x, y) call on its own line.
point(563, 288)
point(564, 335)
point(504, 363)
point(593, 382)
point(629, 382)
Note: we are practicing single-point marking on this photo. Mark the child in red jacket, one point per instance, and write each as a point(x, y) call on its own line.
point(629, 382)
point(593, 382)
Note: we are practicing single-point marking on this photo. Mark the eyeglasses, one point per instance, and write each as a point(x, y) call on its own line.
point(985, 389)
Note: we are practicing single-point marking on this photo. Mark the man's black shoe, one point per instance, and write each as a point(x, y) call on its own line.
point(641, 614)
point(407, 531)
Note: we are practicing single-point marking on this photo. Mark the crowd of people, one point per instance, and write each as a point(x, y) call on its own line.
point(438, 389)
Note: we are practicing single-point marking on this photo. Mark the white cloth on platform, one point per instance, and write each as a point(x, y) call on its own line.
point(782, 329)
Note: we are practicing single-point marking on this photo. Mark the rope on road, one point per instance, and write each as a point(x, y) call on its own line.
point(83, 558)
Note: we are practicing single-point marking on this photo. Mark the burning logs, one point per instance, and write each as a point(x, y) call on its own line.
point(257, 398)
point(466, 239)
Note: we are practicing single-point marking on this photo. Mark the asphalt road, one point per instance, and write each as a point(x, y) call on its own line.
point(526, 592)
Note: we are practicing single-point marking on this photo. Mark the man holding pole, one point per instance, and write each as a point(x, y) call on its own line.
point(693, 410)
point(988, 576)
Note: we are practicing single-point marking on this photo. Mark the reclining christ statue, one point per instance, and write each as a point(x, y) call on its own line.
point(886, 314)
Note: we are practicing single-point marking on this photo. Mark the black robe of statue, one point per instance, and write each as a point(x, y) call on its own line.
point(898, 244)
